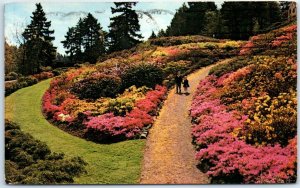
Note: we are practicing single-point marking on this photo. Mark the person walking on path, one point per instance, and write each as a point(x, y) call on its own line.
point(186, 85)
point(178, 81)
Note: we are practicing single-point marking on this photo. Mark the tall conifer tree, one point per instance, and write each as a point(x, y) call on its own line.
point(124, 27)
point(152, 36)
point(190, 20)
point(93, 39)
point(179, 22)
point(38, 48)
point(85, 41)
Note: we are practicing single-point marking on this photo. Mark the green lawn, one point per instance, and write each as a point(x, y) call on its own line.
point(118, 163)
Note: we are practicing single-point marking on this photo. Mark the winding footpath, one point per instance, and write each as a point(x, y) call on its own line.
point(169, 155)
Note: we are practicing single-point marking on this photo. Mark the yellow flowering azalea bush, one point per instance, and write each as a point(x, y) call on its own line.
point(272, 120)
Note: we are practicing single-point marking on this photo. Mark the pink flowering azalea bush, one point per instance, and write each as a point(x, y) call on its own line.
point(244, 117)
point(217, 135)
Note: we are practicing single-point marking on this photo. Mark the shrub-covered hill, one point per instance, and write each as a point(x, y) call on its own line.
point(30, 161)
point(117, 98)
point(245, 113)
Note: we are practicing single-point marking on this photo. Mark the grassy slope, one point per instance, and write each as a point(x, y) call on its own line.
point(108, 164)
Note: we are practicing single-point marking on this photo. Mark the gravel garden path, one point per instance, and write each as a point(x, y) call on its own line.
point(169, 154)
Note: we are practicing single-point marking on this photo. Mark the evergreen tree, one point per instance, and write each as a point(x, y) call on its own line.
point(212, 26)
point(179, 22)
point(79, 32)
point(123, 27)
point(93, 39)
point(85, 41)
point(190, 20)
point(196, 16)
point(38, 48)
point(152, 36)
point(161, 33)
point(70, 43)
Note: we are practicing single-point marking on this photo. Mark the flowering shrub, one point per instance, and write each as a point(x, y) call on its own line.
point(264, 75)
point(278, 42)
point(217, 135)
point(108, 126)
point(102, 119)
point(270, 164)
point(230, 66)
point(117, 98)
point(43, 75)
point(272, 120)
point(247, 48)
point(171, 41)
point(244, 116)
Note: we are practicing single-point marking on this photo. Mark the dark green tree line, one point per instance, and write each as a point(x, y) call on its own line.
point(235, 20)
point(244, 19)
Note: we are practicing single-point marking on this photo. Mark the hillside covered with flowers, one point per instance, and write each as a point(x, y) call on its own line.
point(244, 114)
point(118, 98)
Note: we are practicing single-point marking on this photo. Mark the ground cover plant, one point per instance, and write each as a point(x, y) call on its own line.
point(30, 161)
point(245, 114)
point(117, 98)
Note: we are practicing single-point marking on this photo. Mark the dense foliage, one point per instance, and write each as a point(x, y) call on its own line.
point(30, 161)
point(245, 116)
point(150, 74)
point(95, 86)
point(190, 20)
point(235, 20)
point(10, 54)
point(103, 119)
point(243, 19)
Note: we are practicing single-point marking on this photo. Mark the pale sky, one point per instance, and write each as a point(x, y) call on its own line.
point(64, 15)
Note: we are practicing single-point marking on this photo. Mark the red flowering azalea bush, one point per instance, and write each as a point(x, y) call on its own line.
point(109, 126)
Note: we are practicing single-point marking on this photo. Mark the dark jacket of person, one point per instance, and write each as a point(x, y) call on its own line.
point(178, 79)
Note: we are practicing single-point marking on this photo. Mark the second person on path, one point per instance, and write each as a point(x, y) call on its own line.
point(186, 85)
